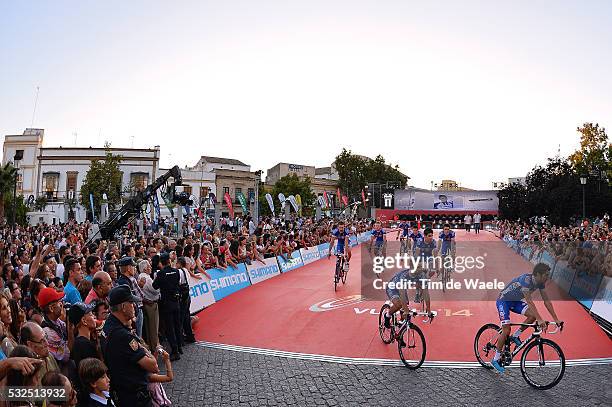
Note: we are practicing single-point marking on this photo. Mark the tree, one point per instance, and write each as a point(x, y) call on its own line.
point(8, 173)
point(22, 209)
point(103, 177)
point(595, 151)
point(291, 185)
point(355, 172)
point(40, 204)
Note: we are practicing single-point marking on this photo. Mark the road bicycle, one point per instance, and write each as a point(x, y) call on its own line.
point(542, 362)
point(411, 344)
point(403, 245)
point(341, 270)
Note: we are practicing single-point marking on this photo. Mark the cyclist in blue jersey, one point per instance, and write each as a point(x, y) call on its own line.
point(516, 297)
point(404, 230)
point(415, 235)
point(398, 295)
point(427, 250)
point(378, 238)
point(341, 234)
point(447, 241)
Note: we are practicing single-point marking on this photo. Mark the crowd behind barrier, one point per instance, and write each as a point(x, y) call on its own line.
point(580, 257)
point(63, 299)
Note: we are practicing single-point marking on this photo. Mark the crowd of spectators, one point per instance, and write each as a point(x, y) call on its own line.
point(64, 300)
point(586, 245)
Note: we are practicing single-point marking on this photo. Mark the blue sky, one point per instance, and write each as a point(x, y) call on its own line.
point(475, 91)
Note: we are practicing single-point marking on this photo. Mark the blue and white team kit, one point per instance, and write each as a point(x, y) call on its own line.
point(446, 239)
point(341, 237)
point(512, 297)
point(379, 235)
point(403, 276)
point(405, 228)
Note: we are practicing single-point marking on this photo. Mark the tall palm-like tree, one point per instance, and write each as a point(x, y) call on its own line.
point(8, 173)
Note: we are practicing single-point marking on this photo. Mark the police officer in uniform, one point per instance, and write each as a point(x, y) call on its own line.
point(127, 271)
point(167, 281)
point(129, 363)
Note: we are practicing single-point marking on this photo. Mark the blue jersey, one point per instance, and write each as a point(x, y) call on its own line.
point(340, 236)
point(379, 235)
point(446, 240)
point(514, 289)
point(405, 228)
point(406, 275)
point(426, 248)
point(415, 236)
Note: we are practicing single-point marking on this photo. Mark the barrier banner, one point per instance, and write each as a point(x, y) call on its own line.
point(353, 241)
point(564, 275)
point(584, 288)
point(309, 255)
point(323, 250)
point(226, 282)
point(602, 305)
point(294, 262)
point(201, 293)
point(259, 272)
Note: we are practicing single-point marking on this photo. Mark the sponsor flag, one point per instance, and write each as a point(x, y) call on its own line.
point(293, 203)
point(282, 199)
point(321, 201)
point(363, 198)
point(228, 202)
point(243, 202)
point(345, 200)
point(298, 199)
point(326, 200)
point(93, 212)
point(270, 203)
point(339, 195)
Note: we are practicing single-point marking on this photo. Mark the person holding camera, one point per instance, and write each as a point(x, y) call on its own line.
point(167, 281)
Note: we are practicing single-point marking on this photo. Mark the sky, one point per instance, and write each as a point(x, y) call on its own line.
point(474, 91)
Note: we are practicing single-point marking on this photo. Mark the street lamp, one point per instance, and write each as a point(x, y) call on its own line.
point(583, 180)
point(18, 157)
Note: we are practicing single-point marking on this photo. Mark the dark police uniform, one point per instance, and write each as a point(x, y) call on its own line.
point(167, 281)
point(122, 351)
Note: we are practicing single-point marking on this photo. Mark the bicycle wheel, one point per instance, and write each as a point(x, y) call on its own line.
point(413, 353)
point(543, 364)
point(336, 277)
point(344, 273)
point(386, 334)
point(485, 344)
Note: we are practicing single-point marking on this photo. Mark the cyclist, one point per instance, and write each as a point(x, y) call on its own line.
point(516, 297)
point(446, 243)
point(399, 297)
point(404, 229)
point(378, 238)
point(341, 234)
point(415, 235)
point(427, 248)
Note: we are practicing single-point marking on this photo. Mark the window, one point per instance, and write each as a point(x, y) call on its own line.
point(237, 192)
point(71, 181)
point(19, 182)
point(139, 180)
point(187, 189)
point(50, 182)
point(225, 190)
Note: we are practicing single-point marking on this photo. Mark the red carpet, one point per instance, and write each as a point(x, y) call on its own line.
point(276, 314)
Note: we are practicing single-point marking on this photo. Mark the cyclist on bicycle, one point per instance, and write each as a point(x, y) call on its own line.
point(415, 235)
point(427, 249)
point(399, 297)
point(446, 241)
point(516, 297)
point(341, 234)
point(404, 230)
point(378, 237)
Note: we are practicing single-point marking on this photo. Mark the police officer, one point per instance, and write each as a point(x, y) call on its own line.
point(129, 363)
point(167, 281)
point(127, 271)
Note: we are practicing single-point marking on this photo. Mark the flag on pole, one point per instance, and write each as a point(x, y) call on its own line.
point(345, 200)
point(363, 198)
point(339, 195)
point(270, 203)
point(326, 200)
point(293, 203)
point(228, 202)
point(298, 199)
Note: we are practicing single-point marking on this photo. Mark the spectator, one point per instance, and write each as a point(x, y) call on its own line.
point(477, 222)
point(8, 342)
point(93, 264)
point(23, 376)
point(150, 305)
point(74, 276)
point(86, 343)
point(129, 362)
point(101, 286)
point(185, 301)
point(55, 379)
point(93, 375)
point(467, 221)
point(167, 281)
point(33, 336)
point(111, 269)
point(127, 271)
point(58, 335)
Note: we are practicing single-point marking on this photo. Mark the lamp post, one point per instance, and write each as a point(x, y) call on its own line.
point(583, 180)
point(18, 156)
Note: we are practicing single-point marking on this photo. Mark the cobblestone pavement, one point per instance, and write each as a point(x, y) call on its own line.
point(213, 377)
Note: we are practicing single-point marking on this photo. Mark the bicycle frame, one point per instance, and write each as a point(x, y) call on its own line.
point(536, 335)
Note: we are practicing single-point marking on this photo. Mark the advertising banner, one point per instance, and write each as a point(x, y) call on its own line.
point(564, 275)
point(243, 202)
point(441, 200)
point(226, 282)
point(293, 202)
point(309, 255)
point(259, 272)
point(270, 203)
point(201, 293)
point(323, 250)
point(294, 262)
point(228, 202)
point(602, 305)
point(353, 241)
point(584, 288)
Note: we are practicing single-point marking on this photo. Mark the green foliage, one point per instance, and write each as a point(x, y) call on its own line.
point(555, 191)
point(40, 204)
point(355, 172)
point(288, 185)
point(7, 183)
point(22, 209)
point(102, 177)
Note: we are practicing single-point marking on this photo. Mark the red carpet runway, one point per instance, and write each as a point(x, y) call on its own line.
point(300, 312)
